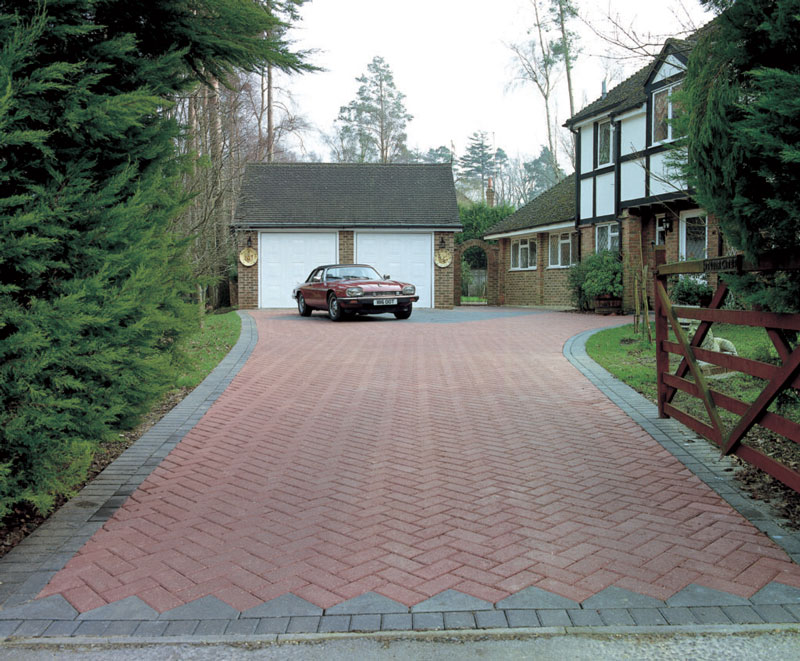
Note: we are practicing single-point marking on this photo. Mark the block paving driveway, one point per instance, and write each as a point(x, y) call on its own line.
point(408, 458)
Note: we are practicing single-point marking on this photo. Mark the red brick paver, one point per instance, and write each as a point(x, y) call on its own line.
point(407, 459)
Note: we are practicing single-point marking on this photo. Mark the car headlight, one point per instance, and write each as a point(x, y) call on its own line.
point(354, 291)
point(409, 289)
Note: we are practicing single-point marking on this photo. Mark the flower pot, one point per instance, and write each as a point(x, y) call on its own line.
point(607, 304)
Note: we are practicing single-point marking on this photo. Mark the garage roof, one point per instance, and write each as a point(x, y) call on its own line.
point(292, 195)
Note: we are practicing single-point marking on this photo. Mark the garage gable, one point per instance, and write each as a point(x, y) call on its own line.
point(300, 215)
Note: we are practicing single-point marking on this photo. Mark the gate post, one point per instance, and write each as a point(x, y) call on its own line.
point(662, 357)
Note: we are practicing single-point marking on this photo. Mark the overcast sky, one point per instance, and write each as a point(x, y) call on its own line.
point(451, 60)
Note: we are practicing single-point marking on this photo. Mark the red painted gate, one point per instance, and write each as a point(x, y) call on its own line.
point(778, 327)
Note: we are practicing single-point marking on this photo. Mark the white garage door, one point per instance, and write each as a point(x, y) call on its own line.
point(406, 257)
point(286, 259)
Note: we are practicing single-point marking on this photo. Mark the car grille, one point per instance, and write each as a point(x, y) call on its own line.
point(384, 294)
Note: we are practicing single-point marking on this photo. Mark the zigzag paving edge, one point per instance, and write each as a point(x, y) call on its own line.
point(28, 568)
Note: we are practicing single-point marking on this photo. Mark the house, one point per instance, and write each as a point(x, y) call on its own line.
point(537, 245)
point(296, 216)
point(627, 193)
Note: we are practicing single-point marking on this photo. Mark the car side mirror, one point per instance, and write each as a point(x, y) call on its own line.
point(387, 277)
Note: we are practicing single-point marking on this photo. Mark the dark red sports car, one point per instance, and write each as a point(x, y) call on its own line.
point(347, 289)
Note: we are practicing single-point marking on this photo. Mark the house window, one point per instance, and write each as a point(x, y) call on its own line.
point(607, 237)
point(523, 254)
point(563, 249)
point(661, 230)
point(664, 111)
point(694, 235)
point(604, 153)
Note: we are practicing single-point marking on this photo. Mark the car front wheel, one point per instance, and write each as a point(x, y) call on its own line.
point(334, 309)
point(302, 308)
point(405, 313)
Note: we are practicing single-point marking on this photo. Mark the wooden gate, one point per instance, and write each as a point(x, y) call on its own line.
point(777, 377)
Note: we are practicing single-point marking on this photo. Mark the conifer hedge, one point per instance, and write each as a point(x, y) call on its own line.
point(743, 102)
point(93, 283)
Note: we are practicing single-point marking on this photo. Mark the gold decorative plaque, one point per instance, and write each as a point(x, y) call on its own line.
point(248, 256)
point(442, 258)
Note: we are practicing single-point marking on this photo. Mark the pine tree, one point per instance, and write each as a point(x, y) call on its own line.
point(372, 127)
point(743, 102)
point(93, 283)
point(477, 163)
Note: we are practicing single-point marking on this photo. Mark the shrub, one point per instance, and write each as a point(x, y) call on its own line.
point(597, 275)
point(687, 290)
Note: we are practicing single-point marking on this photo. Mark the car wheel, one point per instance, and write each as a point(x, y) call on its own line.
point(302, 308)
point(334, 309)
point(405, 313)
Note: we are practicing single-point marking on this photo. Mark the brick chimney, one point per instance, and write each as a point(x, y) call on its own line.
point(490, 193)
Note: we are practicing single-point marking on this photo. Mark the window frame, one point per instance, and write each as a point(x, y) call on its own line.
point(600, 127)
point(691, 213)
point(670, 108)
point(515, 252)
point(611, 226)
point(561, 241)
point(661, 229)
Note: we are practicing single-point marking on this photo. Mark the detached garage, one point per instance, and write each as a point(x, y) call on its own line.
point(292, 217)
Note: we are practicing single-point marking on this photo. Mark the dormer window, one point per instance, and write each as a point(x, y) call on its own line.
point(604, 152)
point(664, 111)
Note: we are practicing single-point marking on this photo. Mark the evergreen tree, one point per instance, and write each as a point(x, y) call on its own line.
point(478, 163)
point(541, 173)
point(743, 101)
point(93, 283)
point(372, 127)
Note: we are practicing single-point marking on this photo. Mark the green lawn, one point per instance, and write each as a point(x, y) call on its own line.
point(207, 346)
point(633, 361)
point(473, 299)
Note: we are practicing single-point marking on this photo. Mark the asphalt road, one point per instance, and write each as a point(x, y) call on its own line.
point(778, 643)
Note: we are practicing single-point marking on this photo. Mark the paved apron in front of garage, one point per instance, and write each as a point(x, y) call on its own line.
point(392, 475)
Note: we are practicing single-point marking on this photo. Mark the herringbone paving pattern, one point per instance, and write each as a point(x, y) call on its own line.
point(407, 459)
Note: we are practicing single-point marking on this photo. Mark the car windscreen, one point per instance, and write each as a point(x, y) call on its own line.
point(352, 273)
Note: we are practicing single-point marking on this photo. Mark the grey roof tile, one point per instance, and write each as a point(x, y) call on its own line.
point(285, 195)
point(555, 205)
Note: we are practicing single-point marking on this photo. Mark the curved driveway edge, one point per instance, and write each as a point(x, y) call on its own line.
point(697, 454)
point(27, 568)
point(516, 498)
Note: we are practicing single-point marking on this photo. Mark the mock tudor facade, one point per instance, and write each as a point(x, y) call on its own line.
point(627, 194)
point(296, 216)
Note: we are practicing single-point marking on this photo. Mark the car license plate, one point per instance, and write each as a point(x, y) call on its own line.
point(385, 301)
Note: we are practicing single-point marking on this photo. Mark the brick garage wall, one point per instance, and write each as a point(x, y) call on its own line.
point(248, 275)
point(346, 247)
point(443, 277)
